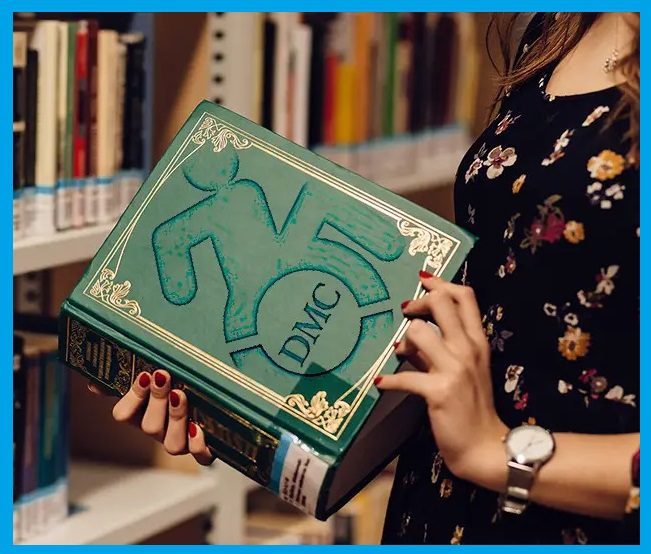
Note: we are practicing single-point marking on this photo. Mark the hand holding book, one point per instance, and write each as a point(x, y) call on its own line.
point(453, 378)
point(152, 405)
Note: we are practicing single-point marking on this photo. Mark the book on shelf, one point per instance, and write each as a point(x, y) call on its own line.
point(40, 390)
point(268, 281)
point(79, 94)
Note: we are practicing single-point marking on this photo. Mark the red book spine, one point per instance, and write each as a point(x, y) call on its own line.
point(92, 98)
point(329, 99)
point(80, 123)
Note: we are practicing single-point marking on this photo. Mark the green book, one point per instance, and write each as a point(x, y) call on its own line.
point(268, 281)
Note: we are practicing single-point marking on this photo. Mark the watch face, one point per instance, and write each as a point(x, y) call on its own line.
point(529, 444)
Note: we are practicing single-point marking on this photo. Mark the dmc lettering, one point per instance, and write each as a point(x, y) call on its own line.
point(298, 346)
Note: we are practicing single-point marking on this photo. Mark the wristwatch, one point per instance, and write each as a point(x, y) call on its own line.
point(528, 448)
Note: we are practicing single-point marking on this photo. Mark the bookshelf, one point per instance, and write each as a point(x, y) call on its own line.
point(61, 248)
point(121, 505)
point(124, 504)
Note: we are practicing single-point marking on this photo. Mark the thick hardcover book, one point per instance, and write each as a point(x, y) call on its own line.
point(268, 281)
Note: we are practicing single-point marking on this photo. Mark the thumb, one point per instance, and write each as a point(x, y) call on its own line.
point(413, 382)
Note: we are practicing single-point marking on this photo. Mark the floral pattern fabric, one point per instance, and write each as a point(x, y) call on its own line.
point(554, 199)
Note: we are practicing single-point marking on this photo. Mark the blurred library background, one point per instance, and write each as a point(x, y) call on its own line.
point(97, 99)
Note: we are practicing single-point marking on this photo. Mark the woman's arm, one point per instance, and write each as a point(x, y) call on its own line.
point(588, 474)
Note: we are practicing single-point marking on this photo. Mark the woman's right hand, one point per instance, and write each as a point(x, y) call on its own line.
point(162, 413)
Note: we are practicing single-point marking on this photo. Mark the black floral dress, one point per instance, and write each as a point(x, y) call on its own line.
point(549, 190)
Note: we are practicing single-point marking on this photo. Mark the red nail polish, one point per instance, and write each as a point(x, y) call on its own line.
point(377, 380)
point(396, 344)
point(425, 274)
point(405, 304)
point(144, 380)
point(175, 399)
point(192, 429)
point(159, 379)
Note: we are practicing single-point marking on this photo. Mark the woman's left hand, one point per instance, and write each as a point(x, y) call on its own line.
point(454, 379)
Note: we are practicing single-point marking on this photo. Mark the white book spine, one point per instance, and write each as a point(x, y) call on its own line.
point(107, 46)
point(45, 42)
point(302, 51)
point(120, 179)
point(285, 22)
point(236, 62)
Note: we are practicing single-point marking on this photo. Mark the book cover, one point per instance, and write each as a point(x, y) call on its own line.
point(268, 281)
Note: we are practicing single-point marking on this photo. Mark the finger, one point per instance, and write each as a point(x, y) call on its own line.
point(439, 306)
point(129, 406)
point(197, 445)
point(424, 338)
point(176, 436)
point(468, 309)
point(413, 382)
point(155, 419)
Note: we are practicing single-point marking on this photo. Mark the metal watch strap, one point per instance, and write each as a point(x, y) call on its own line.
point(520, 480)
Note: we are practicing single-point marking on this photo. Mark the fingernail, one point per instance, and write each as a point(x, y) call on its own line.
point(144, 380)
point(159, 379)
point(396, 344)
point(192, 429)
point(377, 380)
point(405, 304)
point(175, 399)
point(425, 274)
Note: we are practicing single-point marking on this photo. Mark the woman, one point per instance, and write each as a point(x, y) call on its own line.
point(548, 340)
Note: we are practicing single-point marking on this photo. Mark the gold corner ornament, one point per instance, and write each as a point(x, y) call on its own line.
point(219, 135)
point(114, 294)
point(319, 411)
point(426, 241)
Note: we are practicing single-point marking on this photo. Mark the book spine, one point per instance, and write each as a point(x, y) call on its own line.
point(44, 40)
point(114, 208)
point(63, 219)
point(28, 514)
point(80, 125)
point(391, 22)
point(301, 48)
point(19, 398)
point(48, 424)
point(268, 72)
point(30, 138)
point(91, 206)
point(132, 122)
point(19, 127)
point(273, 458)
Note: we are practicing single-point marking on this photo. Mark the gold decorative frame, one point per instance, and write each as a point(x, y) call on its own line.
point(331, 420)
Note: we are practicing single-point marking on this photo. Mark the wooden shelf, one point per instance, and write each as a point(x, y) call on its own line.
point(64, 247)
point(124, 505)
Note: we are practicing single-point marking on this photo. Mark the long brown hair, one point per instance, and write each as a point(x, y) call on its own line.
point(560, 32)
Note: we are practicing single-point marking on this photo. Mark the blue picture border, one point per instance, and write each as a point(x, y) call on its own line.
point(7, 7)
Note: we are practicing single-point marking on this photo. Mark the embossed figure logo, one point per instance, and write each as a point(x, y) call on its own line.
point(300, 288)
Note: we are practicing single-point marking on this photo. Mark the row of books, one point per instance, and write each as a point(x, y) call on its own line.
point(346, 78)
point(40, 441)
point(77, 124)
